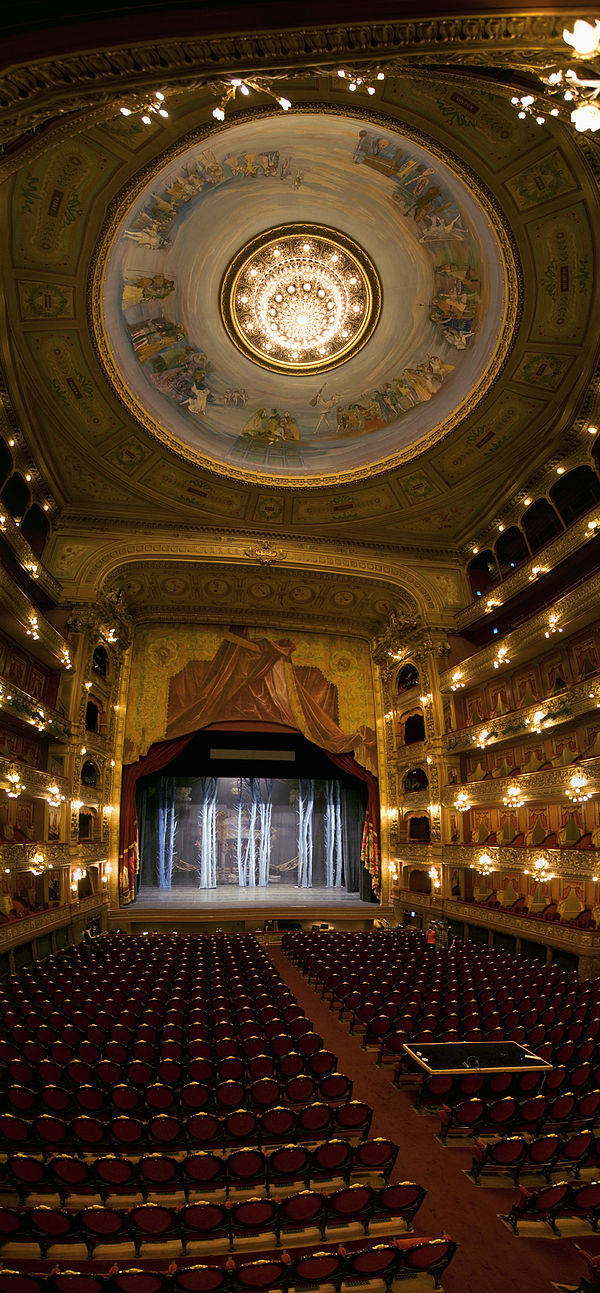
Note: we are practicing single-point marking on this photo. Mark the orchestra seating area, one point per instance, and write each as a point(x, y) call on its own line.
point(535, 1130)
point(171, 1120)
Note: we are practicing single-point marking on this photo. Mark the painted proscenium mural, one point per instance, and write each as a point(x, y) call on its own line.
point(441, 333)
point(184, 678)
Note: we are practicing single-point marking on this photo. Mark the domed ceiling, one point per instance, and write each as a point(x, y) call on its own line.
point(141, 400)
point(378, 297)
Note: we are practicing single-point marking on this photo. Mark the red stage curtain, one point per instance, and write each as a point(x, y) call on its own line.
point(158, 756)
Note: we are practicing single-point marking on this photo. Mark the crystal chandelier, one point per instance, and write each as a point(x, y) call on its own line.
point(300, 298)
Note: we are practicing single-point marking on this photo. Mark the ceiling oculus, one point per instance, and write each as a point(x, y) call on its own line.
point(300, 298)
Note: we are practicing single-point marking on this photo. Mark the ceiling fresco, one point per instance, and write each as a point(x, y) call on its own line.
point(469, 385)
point(446, 279)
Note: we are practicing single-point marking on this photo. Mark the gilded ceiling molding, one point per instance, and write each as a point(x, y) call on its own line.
point(566, 863)
point(105, 559)
point(33, 93)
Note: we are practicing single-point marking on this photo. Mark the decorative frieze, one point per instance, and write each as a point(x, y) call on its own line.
point(546, 932)
point(33, 711)
point(551, 784)
point(19, 857)
point(569, 864)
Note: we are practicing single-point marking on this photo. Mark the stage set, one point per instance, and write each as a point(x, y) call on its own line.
point(238, 829)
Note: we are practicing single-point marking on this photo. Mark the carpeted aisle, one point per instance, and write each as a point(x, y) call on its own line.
point(489, 1259)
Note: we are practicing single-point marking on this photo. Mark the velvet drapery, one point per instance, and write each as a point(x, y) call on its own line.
point(256, 680)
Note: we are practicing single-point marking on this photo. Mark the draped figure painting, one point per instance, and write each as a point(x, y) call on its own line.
point(255, 680)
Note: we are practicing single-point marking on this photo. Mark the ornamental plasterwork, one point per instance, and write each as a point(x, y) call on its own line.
point(37, 783)
point(413, 588)
point(29, 708)
point(19, 856)
point(28, 614)
point(20, 931)
point(538, 487)
point(567, 863)
point(556, 710)
point(551, 783)
point(46, 88)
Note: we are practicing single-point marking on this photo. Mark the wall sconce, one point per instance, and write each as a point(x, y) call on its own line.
point(513, 797)
point(576, 791)
point(16, 785)
point(457, 681)
point(462, 801)
point(434, 809)
point(553, 626)
point(502, 657)
point(484, 865)
point(76, 804)
point(435, 877)
point(425, 699)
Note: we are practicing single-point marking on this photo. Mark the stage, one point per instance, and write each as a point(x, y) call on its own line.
point(189, 909)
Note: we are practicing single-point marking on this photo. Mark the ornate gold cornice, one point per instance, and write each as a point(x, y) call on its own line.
point(18, 857)
point(558, 550)
point(43, 922)
point(545, 932)
point(26, 612)
point(570, 864)
point(29, 563)
point(36, 781)
point(33, 93)
point(549, 784)
point(34, 712)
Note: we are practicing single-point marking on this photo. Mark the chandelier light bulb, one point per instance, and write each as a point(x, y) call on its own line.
point(218, 114)
point(285, 104)
point(584, 37)
point(586, 117)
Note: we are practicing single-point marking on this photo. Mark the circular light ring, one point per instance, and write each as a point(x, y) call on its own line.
point(300, 298)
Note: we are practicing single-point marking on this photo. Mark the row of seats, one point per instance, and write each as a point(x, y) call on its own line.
point(165, 1004)
point(551, 1202)
point(133, 1096)
point(48, 1133)
point(472, 1117)
point(68, 1174)
point(53, 1229)
point(398, 1259)
point(515, 1156)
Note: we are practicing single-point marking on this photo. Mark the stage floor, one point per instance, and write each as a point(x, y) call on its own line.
point(245, 908)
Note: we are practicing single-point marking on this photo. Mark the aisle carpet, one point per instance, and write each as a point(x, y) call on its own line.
point(489, 1259)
